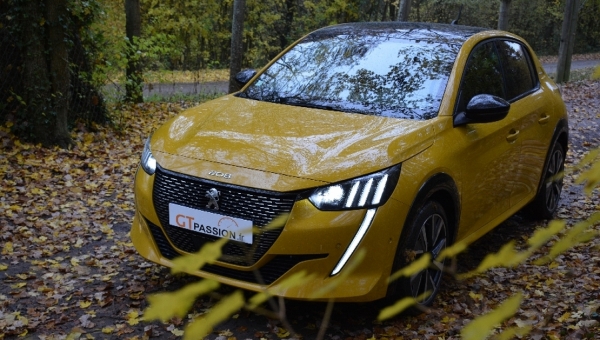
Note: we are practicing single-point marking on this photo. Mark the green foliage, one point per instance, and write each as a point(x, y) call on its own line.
point(37, 97)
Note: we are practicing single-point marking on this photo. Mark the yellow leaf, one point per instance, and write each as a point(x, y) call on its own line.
point(276, 223)
point(283, 333)
point(476, 297)
point(37, 191)
point(133, 318)
point(3, 267)
point(177, 332)
point(596, 74)
point(7, 249)
point(164, 306)
point(507, 256)
point(108, 330)
point(452, 251)
point(209, 253)
point(74, 335)
point(541, 236)
point(512, 332)
point(414, 267)
point(400, 306)
point(356, 259)
point(19, 285)
point(480, 328)
point(579, 233)
point(74, 262)
point(296, 280)
point(88, 138)
point(203, 325)
point(564, 317)
point(85, 304)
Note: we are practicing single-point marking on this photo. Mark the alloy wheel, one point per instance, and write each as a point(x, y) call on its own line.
point(432, 239)
point(554, 179)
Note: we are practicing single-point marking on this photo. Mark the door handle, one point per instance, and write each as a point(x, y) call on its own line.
point(513, 135)
point(544, 119)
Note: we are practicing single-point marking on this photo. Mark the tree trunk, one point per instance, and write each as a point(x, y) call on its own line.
point(37, 114)
point(567, 40)
point(504, 14)
point(133, 28)
point(237, 30)
point(403, 10)
point(56, 11)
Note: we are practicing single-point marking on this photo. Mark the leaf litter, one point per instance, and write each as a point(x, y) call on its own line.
point(68, 268)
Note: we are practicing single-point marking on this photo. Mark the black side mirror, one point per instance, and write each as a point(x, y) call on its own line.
point(243, 77)
point(483, 108)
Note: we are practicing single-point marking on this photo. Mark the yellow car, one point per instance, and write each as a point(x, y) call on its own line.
point(389, 139)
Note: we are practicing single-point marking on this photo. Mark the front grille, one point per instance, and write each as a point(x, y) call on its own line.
point(256, 205)
point(270, 272)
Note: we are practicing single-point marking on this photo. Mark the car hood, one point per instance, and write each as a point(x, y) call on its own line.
point(260, 143)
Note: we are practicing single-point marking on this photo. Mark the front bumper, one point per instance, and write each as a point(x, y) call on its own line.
point(312, 241)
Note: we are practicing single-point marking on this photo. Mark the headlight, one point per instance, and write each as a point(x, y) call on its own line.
point(148, 161)
point(369, 191)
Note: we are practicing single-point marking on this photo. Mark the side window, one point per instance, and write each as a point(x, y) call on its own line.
point(517, 68)
point(482, 75)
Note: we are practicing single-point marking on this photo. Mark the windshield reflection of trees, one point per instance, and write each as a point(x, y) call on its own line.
point(381, 74)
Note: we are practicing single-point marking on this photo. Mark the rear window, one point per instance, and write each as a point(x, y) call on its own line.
point(382, 74)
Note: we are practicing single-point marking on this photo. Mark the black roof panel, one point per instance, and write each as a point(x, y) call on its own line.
point(453, 34)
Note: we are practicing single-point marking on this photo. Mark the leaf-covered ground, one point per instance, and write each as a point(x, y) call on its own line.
point(68, 268)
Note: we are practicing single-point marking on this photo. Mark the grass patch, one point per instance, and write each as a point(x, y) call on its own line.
point(588, 73)
point(200, 76)
point(182, 97)
point(166, 76)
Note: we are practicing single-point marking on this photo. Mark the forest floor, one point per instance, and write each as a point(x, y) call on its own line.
point(68, 268)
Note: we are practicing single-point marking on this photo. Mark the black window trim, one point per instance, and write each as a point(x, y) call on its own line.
point(530, 63)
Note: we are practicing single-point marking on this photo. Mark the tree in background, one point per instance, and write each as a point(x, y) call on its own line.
point(47, 88)
point(567, 40)
point(403, 10)
point(237, 48)
point(133, 28)
point(503, 15)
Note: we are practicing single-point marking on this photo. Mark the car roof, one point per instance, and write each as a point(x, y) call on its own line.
point(452, 34)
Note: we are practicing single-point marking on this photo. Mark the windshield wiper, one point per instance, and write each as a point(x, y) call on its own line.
point(300, 102)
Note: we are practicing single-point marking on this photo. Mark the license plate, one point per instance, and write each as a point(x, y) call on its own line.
point(209, 223)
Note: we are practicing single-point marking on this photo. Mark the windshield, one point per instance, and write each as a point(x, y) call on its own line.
point(392, 74)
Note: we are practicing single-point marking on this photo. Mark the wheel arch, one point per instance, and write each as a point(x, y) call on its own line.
point(441, 188)
point(561, 135)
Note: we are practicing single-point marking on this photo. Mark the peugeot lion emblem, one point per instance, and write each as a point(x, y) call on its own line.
point(213, 197)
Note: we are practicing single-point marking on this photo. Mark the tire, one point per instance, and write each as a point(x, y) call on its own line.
point(428, 232)
point(545, 203)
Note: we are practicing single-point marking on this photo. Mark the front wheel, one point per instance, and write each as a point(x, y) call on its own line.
point(545, 202)
point(428, 232)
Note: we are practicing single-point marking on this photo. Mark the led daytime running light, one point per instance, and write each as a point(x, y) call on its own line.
point(362, 231)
